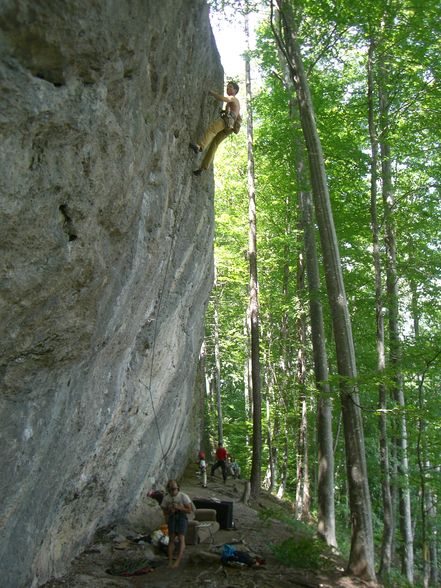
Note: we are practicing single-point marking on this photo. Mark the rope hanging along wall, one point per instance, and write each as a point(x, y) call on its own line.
point(155, 330)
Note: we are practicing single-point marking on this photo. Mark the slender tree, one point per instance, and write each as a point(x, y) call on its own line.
point(388, 520)
point(204, 385)
point(393, 313)
point(303, 492)
point(247, 383)
point(325, 486)
point(427, 501)
point(217, 371)
point(361, 559)
point(256, 463)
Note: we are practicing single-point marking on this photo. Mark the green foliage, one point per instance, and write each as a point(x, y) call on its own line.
point(304, 550)
point(282, 514)
point(230, 9)
point(397, 580)
point(335, 37)
point(303, 553)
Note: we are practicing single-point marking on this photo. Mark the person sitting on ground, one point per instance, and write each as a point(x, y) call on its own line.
point(221, 456)
point(220, 128)
point(176, 505)
point(233, 467)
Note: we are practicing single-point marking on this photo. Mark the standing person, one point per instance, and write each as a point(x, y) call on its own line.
point(221, 456)
point(203, 468)
point(227, 123)
point(176, 505)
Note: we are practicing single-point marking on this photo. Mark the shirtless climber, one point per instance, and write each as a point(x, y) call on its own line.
point(223, 126)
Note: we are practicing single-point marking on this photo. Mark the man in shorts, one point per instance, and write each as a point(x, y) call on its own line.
point(176, 505)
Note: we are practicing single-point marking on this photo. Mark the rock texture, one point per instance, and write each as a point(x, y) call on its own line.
point(106, 263)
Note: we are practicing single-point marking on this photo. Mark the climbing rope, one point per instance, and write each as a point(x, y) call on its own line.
point(155, 331)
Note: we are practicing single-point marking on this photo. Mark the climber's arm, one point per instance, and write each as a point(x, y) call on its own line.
point(220, 97)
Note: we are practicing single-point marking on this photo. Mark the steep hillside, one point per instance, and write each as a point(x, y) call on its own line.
point(106, 267)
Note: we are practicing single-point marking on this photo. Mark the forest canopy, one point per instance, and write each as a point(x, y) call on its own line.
point(344, 142)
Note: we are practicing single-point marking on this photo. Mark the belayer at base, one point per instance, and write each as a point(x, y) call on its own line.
point(227, 123)
point(221, 457)
point(176, 505)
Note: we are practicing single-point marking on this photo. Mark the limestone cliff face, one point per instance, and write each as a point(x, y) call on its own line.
point(106, 263)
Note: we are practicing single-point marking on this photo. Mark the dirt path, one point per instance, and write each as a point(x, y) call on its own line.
point(251, 533)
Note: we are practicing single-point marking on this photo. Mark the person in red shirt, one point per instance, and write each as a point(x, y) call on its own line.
point(221, 456)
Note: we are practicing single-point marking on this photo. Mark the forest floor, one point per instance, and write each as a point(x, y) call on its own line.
point(199, 569)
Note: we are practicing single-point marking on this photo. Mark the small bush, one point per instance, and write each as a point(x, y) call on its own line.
point(397, 580)
point(304, 553)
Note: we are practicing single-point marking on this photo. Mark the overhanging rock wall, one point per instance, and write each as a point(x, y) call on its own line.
point(106, 264)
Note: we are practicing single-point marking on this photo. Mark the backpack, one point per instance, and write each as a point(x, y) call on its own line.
point(230, 555)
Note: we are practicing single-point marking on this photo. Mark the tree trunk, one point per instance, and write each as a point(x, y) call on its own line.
point(255, 478)
point(388, 519)
point(217, 371)
point(361, 559)
point(269, 477)
point(272, 422)
point(205, 393)
point(303, 492)
point(283, 460)
point(283, 452)
point(427, 503)
point(247, 388)
point(394, 335)
point(325, 487)
point(433, 546)
point(325, 474)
